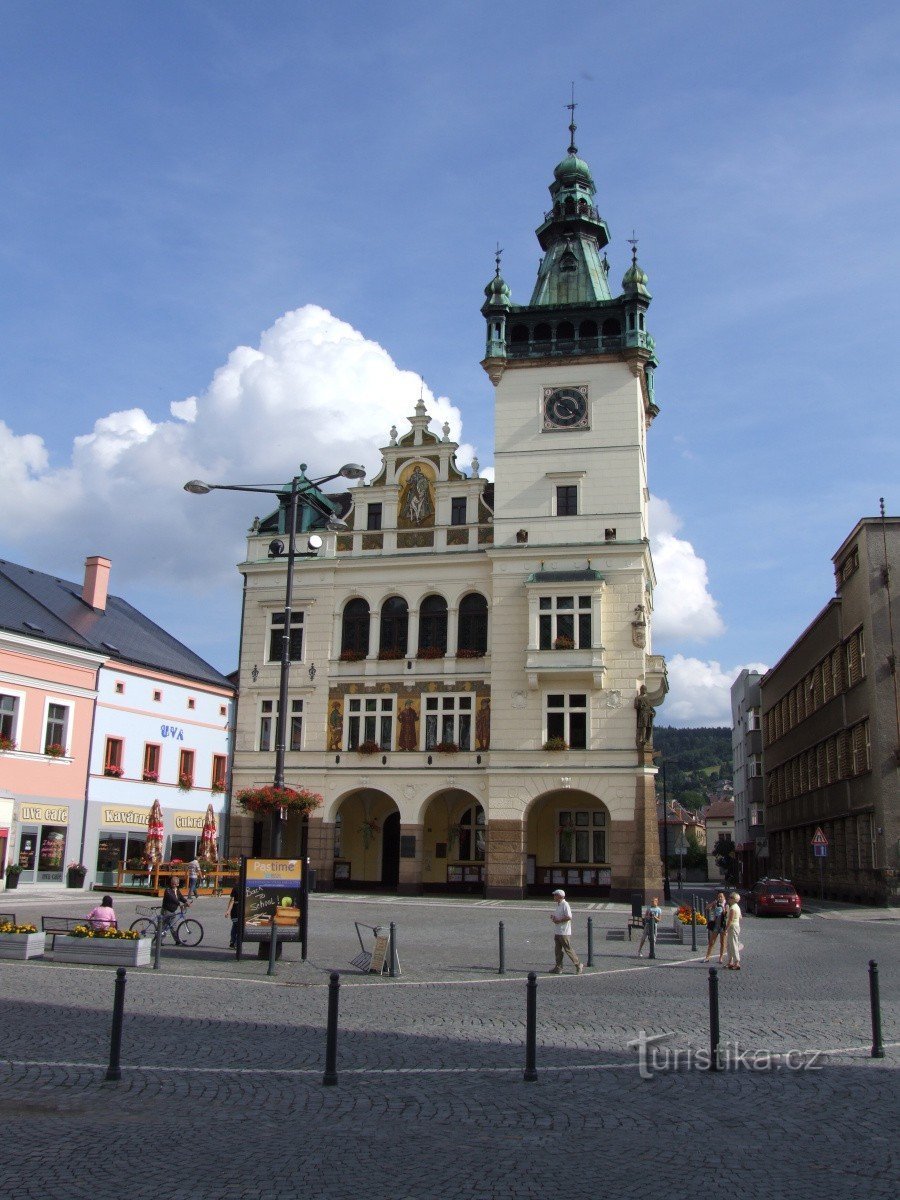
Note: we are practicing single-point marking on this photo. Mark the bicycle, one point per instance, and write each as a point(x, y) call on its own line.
point(185, 931)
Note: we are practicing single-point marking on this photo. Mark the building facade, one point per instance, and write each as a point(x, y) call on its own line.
point(746, 750)
point(102, 712)
point(472, 681)
point(831, 731)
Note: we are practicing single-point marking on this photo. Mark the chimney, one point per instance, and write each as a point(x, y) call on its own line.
point(96, 581)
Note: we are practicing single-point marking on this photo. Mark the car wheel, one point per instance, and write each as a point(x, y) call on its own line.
point(795, 914)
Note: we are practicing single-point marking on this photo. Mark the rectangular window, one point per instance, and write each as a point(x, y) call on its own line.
point(157, 695)
point(373, 516)
point(370, 720)
point(295, 738)
point(266, 724)
point(9, 719)
point(268, 713)
point(186, 768)
point(192, 703)
point(219, 768)
point(754, 767)
point(112, 758)
point(120, 689)
point(56, 729)
point(564, 622)
point(566, 717)
point(276, 636)
point(567, 500)
point(856, 658)
point(448, 721)
point(859, 743)
point(581, 837)
point(458, 510)
point(150, 771)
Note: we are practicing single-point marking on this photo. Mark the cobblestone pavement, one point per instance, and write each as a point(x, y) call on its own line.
point(221, 1092)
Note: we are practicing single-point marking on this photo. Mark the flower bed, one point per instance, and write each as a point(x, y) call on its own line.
point(272, 799)
point(20, 941)
point(104, 947)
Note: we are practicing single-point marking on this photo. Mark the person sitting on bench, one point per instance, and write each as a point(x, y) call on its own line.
point(104, 915)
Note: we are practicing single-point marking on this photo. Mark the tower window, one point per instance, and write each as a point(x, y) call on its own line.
point(458, 510)
point(433, 624)
point(567, 500)
point(355, 628)
point(473, 624)
point(276, 636)
point(611, 328)
point(373, 517)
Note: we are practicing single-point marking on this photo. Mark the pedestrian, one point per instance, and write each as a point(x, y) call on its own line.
point(716, 916)
point(233, 910)
point(562, 919)
point(195, 877)
point(652, 918)
point(172, 902)
point(733, 933)
point(104, 915)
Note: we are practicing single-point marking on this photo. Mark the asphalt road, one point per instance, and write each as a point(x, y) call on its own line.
point(221, 1094)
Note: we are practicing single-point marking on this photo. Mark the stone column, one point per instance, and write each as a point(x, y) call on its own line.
point(320, 851)
point(409, 882)
point(452, 631)
point(374, 632)
point(646, 863)
point(505, 860)
point(412, 634)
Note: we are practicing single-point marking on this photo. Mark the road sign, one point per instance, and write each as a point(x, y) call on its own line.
point(819, 850)
point(819, 838)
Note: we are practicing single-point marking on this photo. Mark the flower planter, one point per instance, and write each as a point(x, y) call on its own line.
point(21, 945)
point(75, 879)
point(106, 952)
point(12, 882)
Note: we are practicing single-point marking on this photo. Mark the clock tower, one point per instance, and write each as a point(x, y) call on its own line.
point(572, 574)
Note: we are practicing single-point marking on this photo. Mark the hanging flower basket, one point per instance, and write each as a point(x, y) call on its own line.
point(564, 643)
point(390, 655)
point(470, 653)
point(446, 748)
point(7, 743)
point(185, 783)
point(55, 750)
point(352, 655)
point(556, 743)
point(431, 652)
point(113, 771)
point(368, 748)
point(150, 776)
point(271, 799)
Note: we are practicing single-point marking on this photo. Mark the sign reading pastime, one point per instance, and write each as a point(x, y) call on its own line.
point(272, 888)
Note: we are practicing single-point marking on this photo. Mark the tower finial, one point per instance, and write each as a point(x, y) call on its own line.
point(573, 149)
point(633, 243)
point(497, 261)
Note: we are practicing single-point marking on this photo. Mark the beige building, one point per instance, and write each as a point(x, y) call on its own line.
point(472, 684)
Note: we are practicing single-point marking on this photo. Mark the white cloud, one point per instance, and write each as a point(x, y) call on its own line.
point(314, 390)
point(683, 607)
point(700, 692)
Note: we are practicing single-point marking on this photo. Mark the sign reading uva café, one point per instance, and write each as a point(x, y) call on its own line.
point(472, 683)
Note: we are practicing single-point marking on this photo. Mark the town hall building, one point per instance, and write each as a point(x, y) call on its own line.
point(472, 683)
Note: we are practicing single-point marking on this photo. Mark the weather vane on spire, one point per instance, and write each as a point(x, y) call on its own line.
point(633, 243)
point(497, 261)
point(573, 149)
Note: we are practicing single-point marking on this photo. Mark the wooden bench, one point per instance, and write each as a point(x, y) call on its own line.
point(55, 927)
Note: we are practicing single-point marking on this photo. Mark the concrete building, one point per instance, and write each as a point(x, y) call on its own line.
point(746, 749)
point(473, 684)
point(831, 731)
point(106, 712)
point(719, 818)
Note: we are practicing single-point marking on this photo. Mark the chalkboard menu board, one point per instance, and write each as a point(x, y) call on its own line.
point(271, 887)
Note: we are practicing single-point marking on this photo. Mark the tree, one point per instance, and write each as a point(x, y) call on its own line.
point(696, 854)
point(724, 852)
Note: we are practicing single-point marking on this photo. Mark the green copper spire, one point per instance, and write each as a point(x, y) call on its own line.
point(635, 280)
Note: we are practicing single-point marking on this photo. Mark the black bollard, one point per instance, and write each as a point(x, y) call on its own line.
point(502, 970)
point(114, 1071)
point(393, 951)
point(694, 924)
point(652, 932)
point(157, 942)
point(713, 1019)
point(329, 1079)
point(875, 1002)
point(590, 956)
point(273, 948)
point(530, 1075)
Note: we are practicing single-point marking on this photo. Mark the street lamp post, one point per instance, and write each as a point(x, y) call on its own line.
point(288, 496)
point(667, 887)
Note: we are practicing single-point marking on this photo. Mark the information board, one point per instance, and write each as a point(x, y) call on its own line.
point(271, 887)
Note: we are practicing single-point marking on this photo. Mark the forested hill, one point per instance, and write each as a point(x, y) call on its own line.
point(696, 760)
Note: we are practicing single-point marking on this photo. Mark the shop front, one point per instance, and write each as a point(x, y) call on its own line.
point(41, 838)
point(121, 839)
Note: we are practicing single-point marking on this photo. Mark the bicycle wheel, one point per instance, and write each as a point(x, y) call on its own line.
point(189, 932)
point(145, 926)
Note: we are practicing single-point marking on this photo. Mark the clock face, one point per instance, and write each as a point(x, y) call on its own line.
point(565, 408)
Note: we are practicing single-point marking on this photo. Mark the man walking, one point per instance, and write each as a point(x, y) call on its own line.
point(562, 919)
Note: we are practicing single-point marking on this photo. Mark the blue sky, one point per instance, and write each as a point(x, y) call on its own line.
point(179, 176)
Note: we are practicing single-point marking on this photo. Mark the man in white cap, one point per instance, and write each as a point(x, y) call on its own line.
point(562, 919)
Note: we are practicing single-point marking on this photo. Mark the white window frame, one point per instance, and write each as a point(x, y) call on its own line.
point(17, 714)
point(447, 708)
point(364, 715)
point(548, 605)
point(268, 711)
point(596, 823)
point(67, 737)
point(567, 710)
point(298, 621)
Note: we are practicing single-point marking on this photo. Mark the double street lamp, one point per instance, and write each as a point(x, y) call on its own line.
point(314, 502)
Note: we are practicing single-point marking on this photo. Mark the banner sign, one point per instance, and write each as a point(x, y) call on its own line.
point(188, 822)
point(43, 814)
point(112, 815)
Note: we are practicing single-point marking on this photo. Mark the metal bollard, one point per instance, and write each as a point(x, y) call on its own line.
point(590, 954)
point(875, 1002)
point(393, 951)
point(114, 1071)
point(652, 932)
point(329, 1079)
point(530, 1075)
point(502, 970)
point(694, 924)
point(713, 1019)
point(157, 942)
point(273, 949)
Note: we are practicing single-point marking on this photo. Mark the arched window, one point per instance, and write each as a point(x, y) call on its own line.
point(433, 624)
point(587, 329)
point(565, 331)
point(471, 834)
point(519, 333)
point(473, 625)
point(355, 629)
point(542, 333)
point(394, 624)
point(611, 328)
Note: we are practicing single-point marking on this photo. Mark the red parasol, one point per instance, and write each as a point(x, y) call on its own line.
point(209, 847)
point(153, 851)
